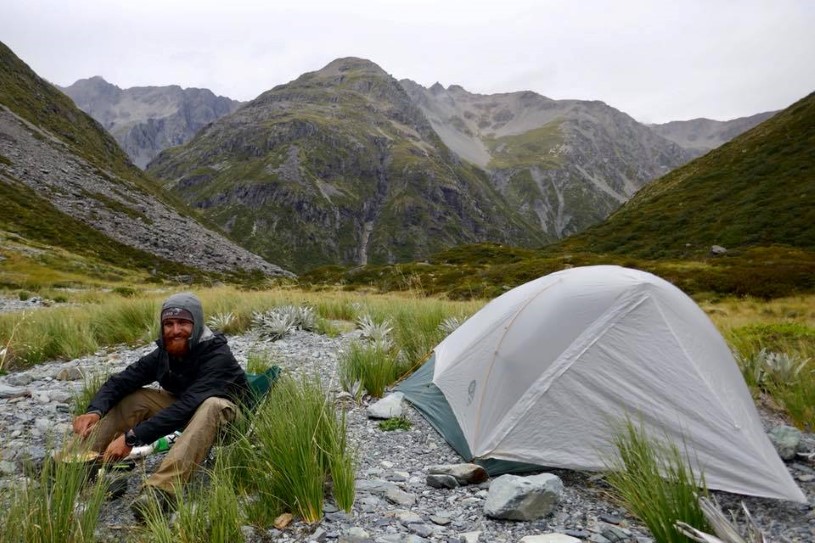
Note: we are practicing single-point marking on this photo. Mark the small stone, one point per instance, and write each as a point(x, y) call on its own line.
point(319, 535)
point(465, 474)
point(611, 519)
point(283, 520)
point(19, 379)
point(8, 468)
point(549, 538)
point(408, 517)
point(7, 392)
point(329, 507)
point(523, 498)
point(469, 537)
point(355, 535)
point(388, 407)
point(440, 520)
point(399, 497)
point(442, 481)
point(806, 477)
point(717, 250)
point(786, 440)
point(422, 530)
point(69, 374)
point(616, 535)
point(580, 534)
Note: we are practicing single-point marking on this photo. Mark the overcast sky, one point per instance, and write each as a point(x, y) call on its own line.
point(657, 60)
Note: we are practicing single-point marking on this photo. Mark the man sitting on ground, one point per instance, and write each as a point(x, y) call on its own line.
point(201, 385)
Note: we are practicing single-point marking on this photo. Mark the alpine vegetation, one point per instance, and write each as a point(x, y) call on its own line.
point(656, 483)
point(223, 322)
point(280, 321)
point(295, 448)
point(273, 324)
point(61, 505)
point(377, 332)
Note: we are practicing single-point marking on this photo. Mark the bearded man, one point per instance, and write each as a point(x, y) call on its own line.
point(201, 387)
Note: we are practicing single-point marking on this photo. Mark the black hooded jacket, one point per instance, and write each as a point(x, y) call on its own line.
point(209, 369)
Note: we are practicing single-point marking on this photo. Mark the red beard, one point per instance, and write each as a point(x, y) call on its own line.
point(177, 346)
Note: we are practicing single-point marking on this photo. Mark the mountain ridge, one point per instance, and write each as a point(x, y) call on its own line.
point(343, 151)
point(145, 120)
point(50, 148)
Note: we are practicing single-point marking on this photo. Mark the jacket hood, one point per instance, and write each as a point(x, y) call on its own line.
point(190, 302)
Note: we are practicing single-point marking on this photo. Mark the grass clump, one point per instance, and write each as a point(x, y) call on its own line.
point(206, 513)
point(656, 483)
point(258, 362)
point(297, 447)
point(370, 366)
point(397, 423)
point(81, 398)
point(59, 505)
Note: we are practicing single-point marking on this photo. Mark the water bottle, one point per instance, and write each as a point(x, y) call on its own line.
point(163, 444)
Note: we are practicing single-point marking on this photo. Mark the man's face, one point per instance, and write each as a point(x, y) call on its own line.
point(176, 332)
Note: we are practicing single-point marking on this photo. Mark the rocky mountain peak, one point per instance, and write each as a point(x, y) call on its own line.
point(350, 66)
point(146, 120)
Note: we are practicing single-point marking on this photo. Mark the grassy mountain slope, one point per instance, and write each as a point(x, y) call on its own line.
point(755, 196)
point(756, 190)
point(337, 166)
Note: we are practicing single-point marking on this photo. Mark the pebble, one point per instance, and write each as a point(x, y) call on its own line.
point(392, 471)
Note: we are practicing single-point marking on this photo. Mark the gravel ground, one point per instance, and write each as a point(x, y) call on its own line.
point(387, 460)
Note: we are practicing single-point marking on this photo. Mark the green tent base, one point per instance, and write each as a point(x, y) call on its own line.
point(426, 397)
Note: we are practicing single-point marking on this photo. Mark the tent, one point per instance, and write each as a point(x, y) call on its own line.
point(542, 376)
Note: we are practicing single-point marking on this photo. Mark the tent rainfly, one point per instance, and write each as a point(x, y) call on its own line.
point(545, 373)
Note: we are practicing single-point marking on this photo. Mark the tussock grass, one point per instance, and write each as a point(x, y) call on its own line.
point(90, 386)
point(372, 365)
point(205, 513)
point(296, 447)
point(258, 362)
point(108, 318)
point(656, 483)
point(59, 505)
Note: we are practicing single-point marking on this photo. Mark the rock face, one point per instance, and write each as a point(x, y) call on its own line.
point(698, 136)
point(338, 167)
point(565, 164)
point(49, 150)
point(147, 120)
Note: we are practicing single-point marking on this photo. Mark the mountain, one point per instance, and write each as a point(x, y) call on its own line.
point(338, 167)
point(757, 190)
point(698, 136)
point(754, 196)
point(146, 120)
point(66, 185)
point(565, 164)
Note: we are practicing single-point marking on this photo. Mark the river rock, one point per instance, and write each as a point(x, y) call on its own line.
point(465, 474)
point(549, 538)
point(523, 498)
point(388, 407)
point(786, 440)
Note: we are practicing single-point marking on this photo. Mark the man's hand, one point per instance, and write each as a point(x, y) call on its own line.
point(117, 450)
point(83, 424)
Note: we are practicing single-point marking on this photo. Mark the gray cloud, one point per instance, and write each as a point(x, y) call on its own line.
point(657, 61)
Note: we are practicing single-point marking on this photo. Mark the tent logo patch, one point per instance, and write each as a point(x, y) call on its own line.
point(471, 392)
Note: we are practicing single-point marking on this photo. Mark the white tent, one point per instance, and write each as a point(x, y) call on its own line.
point(542, 374)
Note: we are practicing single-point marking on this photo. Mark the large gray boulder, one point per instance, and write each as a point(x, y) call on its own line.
point(512, 497)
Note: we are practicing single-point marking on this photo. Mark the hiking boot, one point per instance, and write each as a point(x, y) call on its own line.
point(152, 501)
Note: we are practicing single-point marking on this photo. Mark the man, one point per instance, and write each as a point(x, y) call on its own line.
point(201, 385)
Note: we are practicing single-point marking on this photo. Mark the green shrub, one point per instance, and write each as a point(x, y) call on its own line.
point(656, 483)
point(398, 423)
point(24, 295)
point(125, 292)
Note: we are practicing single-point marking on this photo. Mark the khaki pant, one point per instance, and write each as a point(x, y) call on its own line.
point(192, 445)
